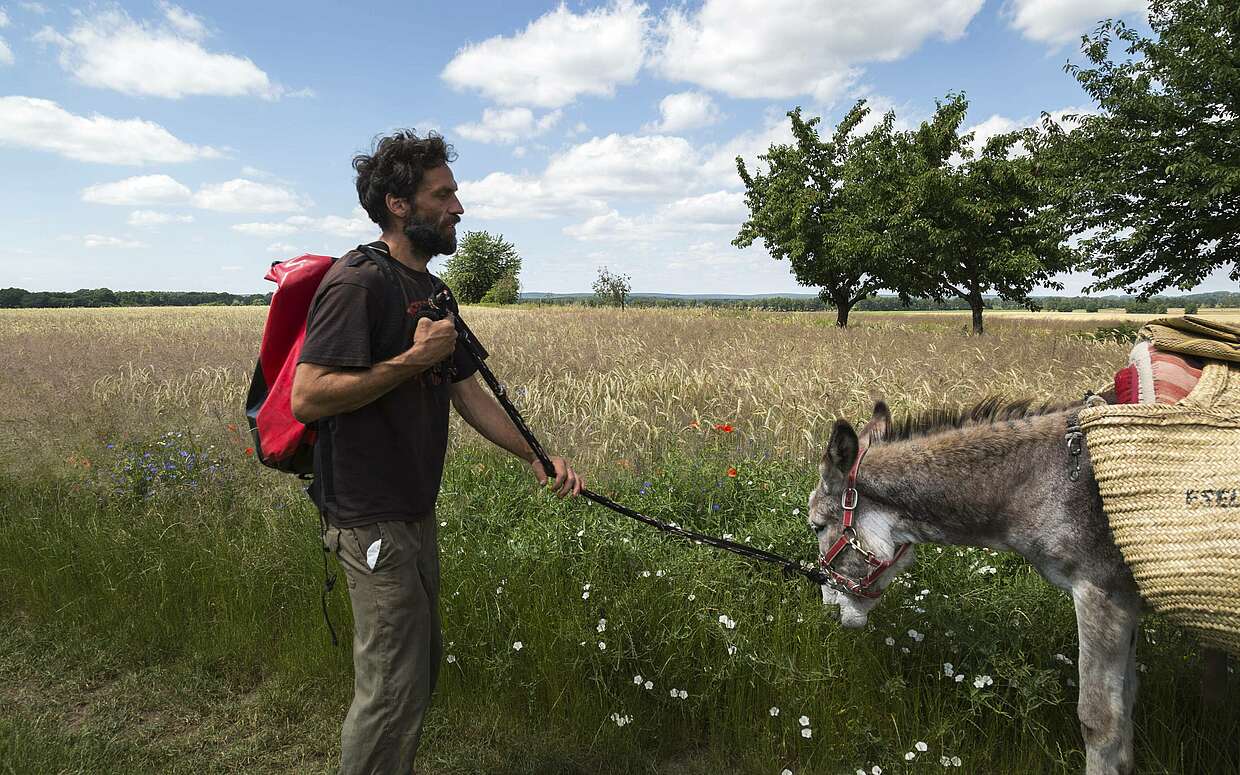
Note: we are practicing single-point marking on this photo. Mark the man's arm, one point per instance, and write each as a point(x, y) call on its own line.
point(478, 408)
point(323, 391)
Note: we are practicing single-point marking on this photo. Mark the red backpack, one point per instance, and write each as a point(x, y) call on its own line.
point(280, 440)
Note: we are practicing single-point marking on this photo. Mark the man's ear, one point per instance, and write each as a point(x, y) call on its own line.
point(397, 206)
point(841, 453)
point(875, 431)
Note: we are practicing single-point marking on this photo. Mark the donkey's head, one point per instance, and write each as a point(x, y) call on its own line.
point(869, 540)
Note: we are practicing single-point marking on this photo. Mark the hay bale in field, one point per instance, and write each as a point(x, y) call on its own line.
point(1169, 475)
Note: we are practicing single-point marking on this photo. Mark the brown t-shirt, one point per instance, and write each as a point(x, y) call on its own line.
point(383, 461)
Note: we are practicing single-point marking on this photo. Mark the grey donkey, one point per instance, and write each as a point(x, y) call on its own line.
point(998, 476)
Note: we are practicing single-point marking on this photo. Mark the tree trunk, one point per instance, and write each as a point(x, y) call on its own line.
point(975, 303)
point(843, 305)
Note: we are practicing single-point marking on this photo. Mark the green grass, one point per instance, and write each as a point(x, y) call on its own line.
point(169, 622)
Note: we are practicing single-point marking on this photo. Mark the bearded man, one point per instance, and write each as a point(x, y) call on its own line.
point(379, 389)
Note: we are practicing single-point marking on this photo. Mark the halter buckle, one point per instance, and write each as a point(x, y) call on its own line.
point(848, 499)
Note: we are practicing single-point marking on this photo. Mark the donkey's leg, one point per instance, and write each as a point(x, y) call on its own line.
point(1213, 678)
point(1107, 623)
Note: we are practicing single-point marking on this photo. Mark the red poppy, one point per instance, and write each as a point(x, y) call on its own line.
point(725, 427)
point(249, 451)
point(732, 472)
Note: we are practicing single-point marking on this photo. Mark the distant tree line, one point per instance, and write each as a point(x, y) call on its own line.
point(19, 298)
point(1155, 305)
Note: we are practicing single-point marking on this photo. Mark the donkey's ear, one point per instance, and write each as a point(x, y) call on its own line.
point(876, 429)
point(841, 451)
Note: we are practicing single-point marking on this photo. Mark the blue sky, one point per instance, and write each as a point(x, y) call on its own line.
point(147, 145)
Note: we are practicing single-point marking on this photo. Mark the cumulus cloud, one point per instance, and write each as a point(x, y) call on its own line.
point(626, 165)
point(110, 50)
point(6, 53)
point(29, 122)
point(233, 196)
point(716, 211)
point(1062, 21)
point(997, 125)
point(264, 229)
point(557, 57)
point(357, 224)
point(240, 195)
point(508, 125)
point(686, 110)
point(4, 19)
point(149, 218)
point(501, 195)
point(137, 191)
point(102, 241)
point(777, 49)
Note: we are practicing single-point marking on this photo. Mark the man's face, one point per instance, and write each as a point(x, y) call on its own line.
point(432, 227)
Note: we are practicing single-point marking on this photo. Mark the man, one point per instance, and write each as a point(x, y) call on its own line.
point(381, 404)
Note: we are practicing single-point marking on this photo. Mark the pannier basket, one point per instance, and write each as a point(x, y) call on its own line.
point(1169, 475)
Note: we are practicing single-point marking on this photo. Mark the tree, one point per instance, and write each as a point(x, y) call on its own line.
point(1153, 180)
point(505, 291)
point(821, 205)
point(611, 288)
point(481, 260)
point(974, 224)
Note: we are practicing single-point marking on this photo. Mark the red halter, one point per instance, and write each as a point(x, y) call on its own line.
point(858, 587)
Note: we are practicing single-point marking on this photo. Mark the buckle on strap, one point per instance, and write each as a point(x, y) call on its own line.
point(848, 499)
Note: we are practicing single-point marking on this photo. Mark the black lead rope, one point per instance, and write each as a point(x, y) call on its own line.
point(789, 567)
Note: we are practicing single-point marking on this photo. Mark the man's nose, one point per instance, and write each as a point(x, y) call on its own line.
point(456, 208)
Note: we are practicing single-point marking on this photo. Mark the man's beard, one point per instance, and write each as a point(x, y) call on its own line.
point(429, 239)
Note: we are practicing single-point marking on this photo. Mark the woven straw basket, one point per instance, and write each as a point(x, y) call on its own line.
point(1169, 475)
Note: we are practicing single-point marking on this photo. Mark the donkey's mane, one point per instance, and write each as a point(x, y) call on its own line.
point(988, 411)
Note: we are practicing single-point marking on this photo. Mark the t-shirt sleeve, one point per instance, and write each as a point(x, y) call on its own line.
point(340, 328)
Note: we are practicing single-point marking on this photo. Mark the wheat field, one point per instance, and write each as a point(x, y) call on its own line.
point(161, 590)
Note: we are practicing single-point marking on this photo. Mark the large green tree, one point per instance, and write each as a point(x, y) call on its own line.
point(821, 205)
point(481, 260)
point(976, 223)
point(1153, 179)
point(611, 288)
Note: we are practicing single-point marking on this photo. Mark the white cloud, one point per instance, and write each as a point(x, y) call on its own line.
point(357, 224)
point(626, 165)
point(6, 53)
point(240, 195)
point(716, 211)
point(264, 229)
point(284, 248)
point(183, 21)
point(28, 122)
point(35, 8)
point(102, 241)
point(4, 19)
point(1063, 21)
point(719, 168)
point(110, 50)
point(153, 218)
point(508, 125)
point(996, 125)
point(777, 49)
point(685, 110)
point(137, 191)
point(501, 195)
point(557, 57)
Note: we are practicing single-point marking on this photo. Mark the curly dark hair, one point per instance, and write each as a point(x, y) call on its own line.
point(395, 167)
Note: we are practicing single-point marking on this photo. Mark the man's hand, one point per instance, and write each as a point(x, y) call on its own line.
point(433, 341)
point(567, 481)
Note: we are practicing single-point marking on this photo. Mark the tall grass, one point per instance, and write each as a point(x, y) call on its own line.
point(168, 587)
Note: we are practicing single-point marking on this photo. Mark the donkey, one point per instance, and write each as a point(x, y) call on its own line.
point(1010, 477)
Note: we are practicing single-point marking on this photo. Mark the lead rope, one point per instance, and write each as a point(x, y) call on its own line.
point(789, 567)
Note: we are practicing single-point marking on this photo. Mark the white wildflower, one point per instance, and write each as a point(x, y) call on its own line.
point(921, 746)
point(517, 645)
point(602, 646)
point(948, 669)
point(807, 732)
point(982, 681)
point(637, 680)
point(804, 721)
point(774, 711)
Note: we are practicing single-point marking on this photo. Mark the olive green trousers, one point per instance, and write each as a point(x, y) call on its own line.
point(392, 570)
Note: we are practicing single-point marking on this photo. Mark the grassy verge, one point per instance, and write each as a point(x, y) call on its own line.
point(158, 625)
